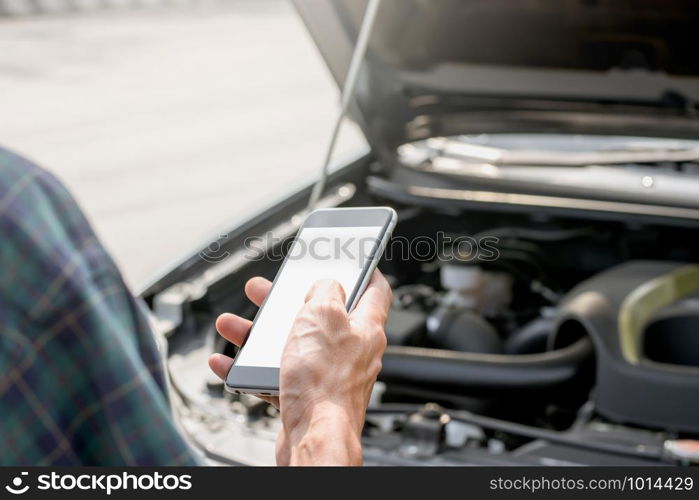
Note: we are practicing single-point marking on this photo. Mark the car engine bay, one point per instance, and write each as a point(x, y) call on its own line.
point(516, 337)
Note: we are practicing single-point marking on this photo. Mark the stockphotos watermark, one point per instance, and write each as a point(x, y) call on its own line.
point(105, 483)
point(443, 247)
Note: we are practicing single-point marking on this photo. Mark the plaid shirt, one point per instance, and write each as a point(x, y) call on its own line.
point(81, 380)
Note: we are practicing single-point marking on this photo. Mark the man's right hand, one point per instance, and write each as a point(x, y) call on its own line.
point(329, 365)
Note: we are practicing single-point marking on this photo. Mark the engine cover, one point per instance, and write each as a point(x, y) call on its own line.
point(615, 309)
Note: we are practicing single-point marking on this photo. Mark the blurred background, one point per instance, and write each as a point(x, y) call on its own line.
point(167, 119)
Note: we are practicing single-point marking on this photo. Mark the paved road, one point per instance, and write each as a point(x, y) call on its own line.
point(166, 123)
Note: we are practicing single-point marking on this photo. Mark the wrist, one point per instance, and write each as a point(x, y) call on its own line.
point(327, 434)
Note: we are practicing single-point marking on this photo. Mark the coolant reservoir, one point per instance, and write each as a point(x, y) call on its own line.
point(470, 287)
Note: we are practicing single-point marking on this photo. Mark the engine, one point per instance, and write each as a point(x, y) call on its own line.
point(512, 339)
point(557, 331)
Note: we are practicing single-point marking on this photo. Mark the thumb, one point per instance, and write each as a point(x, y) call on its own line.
point(326, 291)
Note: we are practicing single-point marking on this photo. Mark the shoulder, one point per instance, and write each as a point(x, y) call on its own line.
point(27, 189)
point(52, 253)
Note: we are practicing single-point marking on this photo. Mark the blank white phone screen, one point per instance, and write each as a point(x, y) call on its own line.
point(337, 253)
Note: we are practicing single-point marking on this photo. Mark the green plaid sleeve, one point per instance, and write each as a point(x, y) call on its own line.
point(81, 381)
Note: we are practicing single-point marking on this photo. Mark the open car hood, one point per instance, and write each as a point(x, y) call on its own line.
point(428, 58)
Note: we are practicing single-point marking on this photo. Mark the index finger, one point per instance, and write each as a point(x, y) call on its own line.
point(375, 302)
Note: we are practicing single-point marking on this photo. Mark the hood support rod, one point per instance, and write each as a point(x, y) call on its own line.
point(347, 93)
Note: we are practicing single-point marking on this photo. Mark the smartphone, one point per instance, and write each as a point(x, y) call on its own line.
point(343, 244)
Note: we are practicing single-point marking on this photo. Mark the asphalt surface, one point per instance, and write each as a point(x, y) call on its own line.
point(168, 123)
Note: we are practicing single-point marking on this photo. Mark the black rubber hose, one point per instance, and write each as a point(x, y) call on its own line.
point(532, 337)
point(476, 374)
